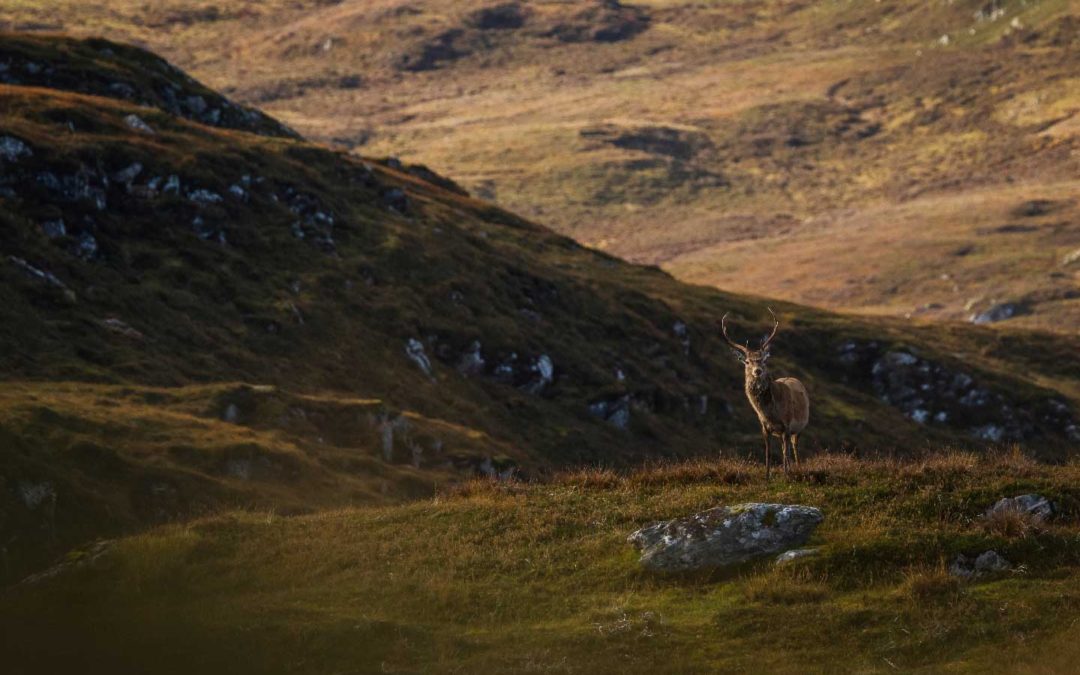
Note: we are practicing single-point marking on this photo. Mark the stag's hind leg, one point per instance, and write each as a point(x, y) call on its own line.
point(795, 448)
point(783, 446)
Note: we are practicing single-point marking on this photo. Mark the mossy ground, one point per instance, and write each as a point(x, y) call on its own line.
point(525, 578)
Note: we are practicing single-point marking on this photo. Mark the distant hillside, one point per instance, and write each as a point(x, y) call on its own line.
point(194, 316)
point(809, 151)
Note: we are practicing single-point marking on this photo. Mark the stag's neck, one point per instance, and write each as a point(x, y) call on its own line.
point(759, 393)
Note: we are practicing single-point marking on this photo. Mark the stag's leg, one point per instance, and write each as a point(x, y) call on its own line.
point(783, 449)
point(795, 448)
point(765, 437)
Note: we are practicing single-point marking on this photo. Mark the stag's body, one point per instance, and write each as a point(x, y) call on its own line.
point(782, 405)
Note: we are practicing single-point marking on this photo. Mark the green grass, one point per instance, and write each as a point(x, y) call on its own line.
point(519, 578)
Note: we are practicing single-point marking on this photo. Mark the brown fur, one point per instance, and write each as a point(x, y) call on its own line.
point(782, 405)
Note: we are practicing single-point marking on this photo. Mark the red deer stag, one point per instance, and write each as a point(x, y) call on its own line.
point(782, 405)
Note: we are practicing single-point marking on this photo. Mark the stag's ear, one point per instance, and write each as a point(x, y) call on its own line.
point(739, 355)
point(765, 354)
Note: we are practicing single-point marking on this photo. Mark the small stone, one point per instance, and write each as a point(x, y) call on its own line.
point(54, 229)
point(231, 414)
point(195, 104)
point(795, 554)
point(472, 361)
point(414, 349)
point(86, 246)
point(119, 327)
point(129, 174)
point(1000, 312)
point(136, 123)
point(203, 196)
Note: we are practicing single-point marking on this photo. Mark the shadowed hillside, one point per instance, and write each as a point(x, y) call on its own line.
point(269, 323)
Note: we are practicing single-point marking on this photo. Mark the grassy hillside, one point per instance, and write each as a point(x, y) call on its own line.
point(195, 317)
point(732, 143)
point(512, 578)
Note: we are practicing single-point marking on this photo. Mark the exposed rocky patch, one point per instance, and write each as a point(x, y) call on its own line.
point(932, 394)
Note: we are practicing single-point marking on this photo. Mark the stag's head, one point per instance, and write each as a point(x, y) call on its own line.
point(754, 360)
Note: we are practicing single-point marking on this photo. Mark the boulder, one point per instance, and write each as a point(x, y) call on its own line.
point(724, 536)
point(1036, 507)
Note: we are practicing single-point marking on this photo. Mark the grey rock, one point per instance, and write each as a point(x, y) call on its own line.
point(172, 184)
point(42, 275)
point(724, 536)
point(795, 554)
point(119, 327)
point(1000, 312)
point(613, 411)
point(202, 196)
point(989, 562)
point(544, 369)
point(195, 104)
point(231, 414)
point(12, 149)
point(989, 432)
point(137, 123)
point(414, 349)
point(86, 246)
point(128, 174)
point(35, 495)
point(472, 361)
point(54, 229)
point(986, 563)
point(1039, 508)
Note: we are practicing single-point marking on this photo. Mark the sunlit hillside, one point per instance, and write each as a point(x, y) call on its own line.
point(891, 158)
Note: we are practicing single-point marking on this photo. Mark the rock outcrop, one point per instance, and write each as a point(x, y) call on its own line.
point(724, 536)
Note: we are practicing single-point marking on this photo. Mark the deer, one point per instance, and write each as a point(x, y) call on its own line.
point(782, 405)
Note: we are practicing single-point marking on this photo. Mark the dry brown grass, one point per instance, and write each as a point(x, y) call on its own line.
point(790, 584)
point(931, 584)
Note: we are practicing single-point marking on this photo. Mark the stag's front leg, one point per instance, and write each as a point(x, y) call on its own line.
point(783, 450)
point(765, 437)
point(795, 448)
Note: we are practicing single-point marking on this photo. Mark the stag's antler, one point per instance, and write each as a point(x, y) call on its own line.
point(723, 331)
point(776, 325)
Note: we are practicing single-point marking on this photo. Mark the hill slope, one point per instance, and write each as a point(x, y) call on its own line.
point(523, 579)
point(732, 143)
point(270, 323)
